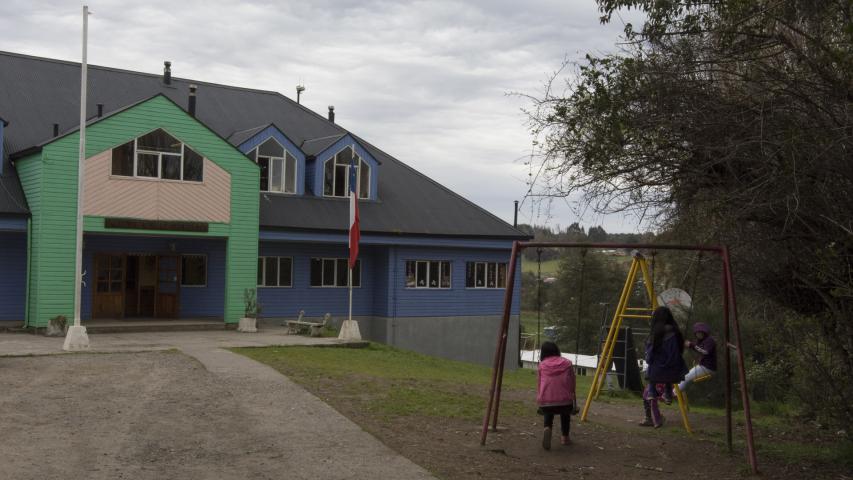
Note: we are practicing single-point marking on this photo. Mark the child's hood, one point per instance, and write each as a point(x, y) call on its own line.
point(555, 366)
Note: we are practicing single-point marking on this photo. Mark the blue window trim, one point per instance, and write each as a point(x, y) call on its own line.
point(331, 150)
point(273, 132)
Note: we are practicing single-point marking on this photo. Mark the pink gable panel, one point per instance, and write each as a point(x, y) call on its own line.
point(153, 199)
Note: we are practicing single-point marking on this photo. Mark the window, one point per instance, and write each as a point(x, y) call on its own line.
point(332, 272)
point(336, 176)
point(158, 155)
point(485, 275)
point(275, 272)
point(427, 274)
point(278, 167)
point(193, 270)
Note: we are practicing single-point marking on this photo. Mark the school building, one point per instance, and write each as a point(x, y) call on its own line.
point(195, 192)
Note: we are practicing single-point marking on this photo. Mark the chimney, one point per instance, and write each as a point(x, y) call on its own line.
point(55, 129)
point(332, 113)
point(100, 110)
point(191, 101)
point(167, 72)
point(299, 89)
point(515, 216)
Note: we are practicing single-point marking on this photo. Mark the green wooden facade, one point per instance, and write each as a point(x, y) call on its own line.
point(49, 179)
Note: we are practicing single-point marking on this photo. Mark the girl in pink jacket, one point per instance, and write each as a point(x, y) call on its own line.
point(556, 392)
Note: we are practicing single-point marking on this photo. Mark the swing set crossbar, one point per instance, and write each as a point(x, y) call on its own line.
point(730, 323)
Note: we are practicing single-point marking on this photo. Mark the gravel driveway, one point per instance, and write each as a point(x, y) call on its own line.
point(165, 414)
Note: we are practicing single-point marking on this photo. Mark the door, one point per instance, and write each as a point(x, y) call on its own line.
point(168, 286)
point(108, 298)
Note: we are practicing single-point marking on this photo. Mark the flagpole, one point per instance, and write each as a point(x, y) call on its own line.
point(350, 294)
point(349, 328)
point(76, 337)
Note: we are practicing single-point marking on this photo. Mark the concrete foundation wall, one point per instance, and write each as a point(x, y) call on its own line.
point(470, 338)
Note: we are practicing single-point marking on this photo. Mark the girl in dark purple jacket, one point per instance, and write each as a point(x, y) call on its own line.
point(664, 350)
point(707, 348)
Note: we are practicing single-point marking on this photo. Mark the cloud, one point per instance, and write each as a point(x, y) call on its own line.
point(424, 80)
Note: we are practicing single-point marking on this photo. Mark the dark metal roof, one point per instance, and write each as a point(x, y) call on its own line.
point(37, 92)
point(237, 138)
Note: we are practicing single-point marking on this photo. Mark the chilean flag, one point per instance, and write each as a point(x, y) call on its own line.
point(354, 233)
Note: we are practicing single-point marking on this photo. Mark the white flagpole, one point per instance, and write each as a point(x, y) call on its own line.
point(349, 328)
point(350, 294)
point(76, 338)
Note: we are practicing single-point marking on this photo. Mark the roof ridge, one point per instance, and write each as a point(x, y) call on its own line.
point(308, 110)
point(430, 179)
point(135, 72)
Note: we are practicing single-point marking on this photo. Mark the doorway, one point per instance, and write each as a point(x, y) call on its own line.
point(136, 286)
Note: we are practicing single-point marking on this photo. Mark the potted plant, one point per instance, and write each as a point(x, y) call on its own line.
point(249, 322)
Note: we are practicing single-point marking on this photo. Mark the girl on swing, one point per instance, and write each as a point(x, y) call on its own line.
point(707, 348)
point(556, 392)
point(664, 350)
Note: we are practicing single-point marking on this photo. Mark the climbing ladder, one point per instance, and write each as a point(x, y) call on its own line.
point(639, 266)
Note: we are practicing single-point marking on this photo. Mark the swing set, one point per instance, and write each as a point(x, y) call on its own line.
point(639, 267)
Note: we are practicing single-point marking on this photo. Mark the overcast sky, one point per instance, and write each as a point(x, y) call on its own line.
point(426, 81)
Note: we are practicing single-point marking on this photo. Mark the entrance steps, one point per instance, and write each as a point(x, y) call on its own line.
point(154, 325)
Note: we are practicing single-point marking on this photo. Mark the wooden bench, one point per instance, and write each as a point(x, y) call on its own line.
point(314, 329)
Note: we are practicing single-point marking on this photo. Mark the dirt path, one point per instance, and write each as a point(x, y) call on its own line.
point(610, 446)
point(163, 415)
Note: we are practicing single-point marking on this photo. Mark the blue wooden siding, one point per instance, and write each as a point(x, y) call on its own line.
point(383, 292)
point(316, 301)
point(13, 223)
point(273, 132)
point(13, 275)
point(345, 141)
point(311, 176)
point(208, 301)
point(456, 301)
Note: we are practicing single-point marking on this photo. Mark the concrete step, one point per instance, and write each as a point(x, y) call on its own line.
point(154, 326)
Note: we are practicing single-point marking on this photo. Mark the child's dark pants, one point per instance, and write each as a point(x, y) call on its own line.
point(565, 413)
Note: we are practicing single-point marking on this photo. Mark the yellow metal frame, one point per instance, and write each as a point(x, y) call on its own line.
point(639, 265)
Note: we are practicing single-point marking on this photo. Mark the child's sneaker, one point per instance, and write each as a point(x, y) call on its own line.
point(546, 438)
point(658, 425)
point(647, 423)
point(565, 440)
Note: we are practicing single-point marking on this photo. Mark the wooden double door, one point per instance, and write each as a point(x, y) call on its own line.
point(133, 285)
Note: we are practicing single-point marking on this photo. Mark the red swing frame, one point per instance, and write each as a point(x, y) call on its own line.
point(730, 320)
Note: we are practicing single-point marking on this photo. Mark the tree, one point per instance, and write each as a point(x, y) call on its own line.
point(585, 281)
point(728, 122)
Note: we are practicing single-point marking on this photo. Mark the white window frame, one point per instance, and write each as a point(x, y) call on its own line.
point(335, 280)
point(263, 259)
point(206, 264)
point(257, 151)
point(358, 191)
point(486, 273)
point(427, 286)
point(159, 177)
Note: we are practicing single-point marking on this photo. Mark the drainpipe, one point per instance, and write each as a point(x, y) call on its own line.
point(393, 312)
point(29, 269)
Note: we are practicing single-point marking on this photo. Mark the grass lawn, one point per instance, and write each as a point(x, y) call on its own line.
point(402, 382)
point(430, 410)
